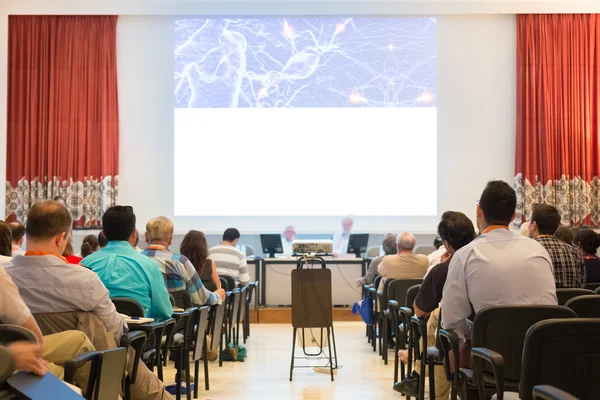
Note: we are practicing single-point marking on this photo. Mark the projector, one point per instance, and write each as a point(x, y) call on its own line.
point(312, 246)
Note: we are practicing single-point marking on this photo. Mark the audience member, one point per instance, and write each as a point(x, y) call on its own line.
point(89, 245)
point(68, 254)
point(52, 351)
point(456, 231)
point(102, 240)
point(564, 234)
point(137, 241)
point(124, 271)
point(587, 242)
point(497, 268)
point(5, 243)
point(178, 271)
point(436, 257)
point(195, 248)
point(389, 248)
point(18, 237)
point(289, 234)
point(405, 264)
point(340, 239)
point(567, 263)
point(48, 284)
point(228, 259)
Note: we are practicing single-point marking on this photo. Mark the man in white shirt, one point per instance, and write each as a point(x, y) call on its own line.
point(18, 237)
point(435, 257)
point(228, 259)
point(340, 239)
point(289, 234)
point(499, 267)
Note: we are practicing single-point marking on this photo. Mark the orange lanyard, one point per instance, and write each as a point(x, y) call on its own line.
point(44, 253)
point(494, 227)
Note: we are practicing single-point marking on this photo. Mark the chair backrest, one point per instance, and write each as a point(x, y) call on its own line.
point(548, 392)
point(503, 330)
point(564, 353)
point(398, 290)
point(136, 340)
point(592, 285)
point(565, 295)
point(587, 306)
point(202, 322)
point(425, 250)
point(14, 333)
point(242, 307)
point(182, 299)
point(227, 282)
point(235, 306)
point(112, 369)
point(250, 292)
point(128, 307)
point(411, 295)
point(86, 322)
point(216, 328)
point(373, 252)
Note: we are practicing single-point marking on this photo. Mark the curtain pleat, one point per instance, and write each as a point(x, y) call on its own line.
point(63, 121)
point(558, 60)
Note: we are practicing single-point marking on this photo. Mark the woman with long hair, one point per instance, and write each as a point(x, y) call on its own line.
point(195, 248)
point(90, 245)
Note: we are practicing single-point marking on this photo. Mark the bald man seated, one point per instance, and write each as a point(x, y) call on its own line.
point(405, 264)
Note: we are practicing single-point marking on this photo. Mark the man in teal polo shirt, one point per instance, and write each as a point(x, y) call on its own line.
point(124, 271)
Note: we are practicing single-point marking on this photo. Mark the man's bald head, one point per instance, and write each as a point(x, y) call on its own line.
point(18, 232)
point(46, 220)
point(406, 241)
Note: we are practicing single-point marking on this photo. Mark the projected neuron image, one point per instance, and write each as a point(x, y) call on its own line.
point(305, 62)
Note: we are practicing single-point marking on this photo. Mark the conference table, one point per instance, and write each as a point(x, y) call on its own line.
point(276, 284)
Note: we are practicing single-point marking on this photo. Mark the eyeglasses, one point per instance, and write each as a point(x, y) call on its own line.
point(477, 202)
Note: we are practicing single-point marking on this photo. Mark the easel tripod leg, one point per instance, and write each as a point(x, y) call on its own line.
point(330, 359)
point(293, 351)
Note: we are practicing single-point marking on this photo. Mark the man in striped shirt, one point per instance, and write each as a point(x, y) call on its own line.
point(228, 259)
point(178, 271)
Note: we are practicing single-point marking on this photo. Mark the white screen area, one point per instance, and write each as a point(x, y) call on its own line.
point(316, 116)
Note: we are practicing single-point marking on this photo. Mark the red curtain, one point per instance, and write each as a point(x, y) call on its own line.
point(558, 61)
point(63, 122)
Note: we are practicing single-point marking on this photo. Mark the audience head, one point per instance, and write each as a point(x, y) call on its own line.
point(118, 223)
point(6, 239)
point(564, 234)
point(544, 220)
point(389, 244)
point(587, 240)
point(48, 227)
point(497, 205)
point(89, 245)
point(160, 231)
point(289, 233)
point(437, 242)
point(347, 223)
point(102, 240)
point(18, 232)
point(456, 230)
point(231, 235)
point(60, 200)
point(195, 248)
point(405, 242)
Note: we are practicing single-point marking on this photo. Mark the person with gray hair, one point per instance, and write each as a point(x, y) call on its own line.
point(389, 247)
point(341, 239)
point(178, 271)
point(405, 264)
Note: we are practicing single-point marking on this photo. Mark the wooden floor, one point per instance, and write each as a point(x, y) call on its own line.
point(265, 374)
point(283, 315)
